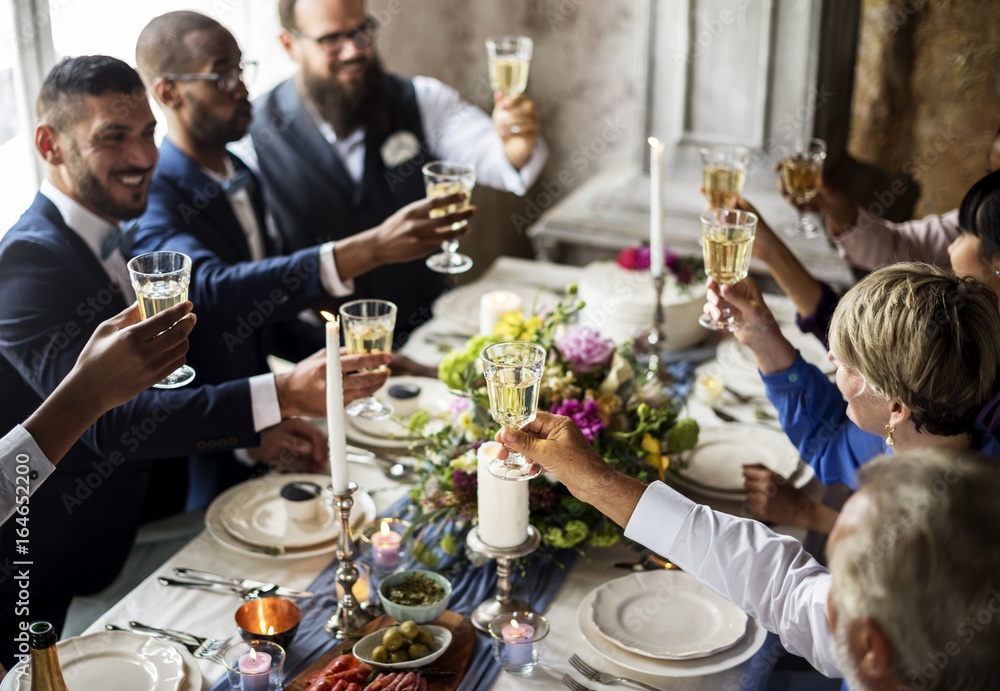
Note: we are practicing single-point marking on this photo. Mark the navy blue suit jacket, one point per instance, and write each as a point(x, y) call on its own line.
point(83, 519)
point(246, 310)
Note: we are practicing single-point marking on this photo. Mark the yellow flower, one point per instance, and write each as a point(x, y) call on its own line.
point(654, 456)
point(607, 403)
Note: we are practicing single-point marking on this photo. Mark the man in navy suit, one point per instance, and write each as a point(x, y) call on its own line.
point(62, 272)
point(205, 203)
point(344, 140)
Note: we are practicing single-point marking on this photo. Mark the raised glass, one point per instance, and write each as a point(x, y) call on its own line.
point(161, 280)
point(802, 175)
point(724, 170)
point(513, 372)
point(727, 238)
point(368, 328)
point(442, 178)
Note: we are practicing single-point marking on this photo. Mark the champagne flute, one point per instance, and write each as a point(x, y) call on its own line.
point(802, 175)
point(442, 178)
point(724, 170)
point(161, 280)
point(727, 238)
point(513, 372)
point(368, 327)
point(509, 58)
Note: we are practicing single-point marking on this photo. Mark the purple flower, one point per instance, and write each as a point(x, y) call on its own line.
point(459, 406)
point(585, 349)
point(642, 258)
point(587, 416)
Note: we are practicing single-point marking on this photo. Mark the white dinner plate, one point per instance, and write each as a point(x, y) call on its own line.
point(236, 500)
point(667, 615)
point(117, 661)
point(434, 398)
point(723, 660)
point(782, 308)
point(715, 466)
point(460, 307)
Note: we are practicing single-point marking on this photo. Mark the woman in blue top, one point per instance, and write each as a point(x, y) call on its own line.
point(917, 358)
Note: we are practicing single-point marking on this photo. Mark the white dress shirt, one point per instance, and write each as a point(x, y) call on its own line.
point(20, 452)
point(769, 576)
point(94, 230)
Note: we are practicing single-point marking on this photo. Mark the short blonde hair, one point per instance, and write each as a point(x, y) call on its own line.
point(922, 562)
point(925, 336)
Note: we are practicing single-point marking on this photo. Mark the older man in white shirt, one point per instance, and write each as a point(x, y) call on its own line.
point(911, 598)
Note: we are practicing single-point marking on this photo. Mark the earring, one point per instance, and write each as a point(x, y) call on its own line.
point(889, 441)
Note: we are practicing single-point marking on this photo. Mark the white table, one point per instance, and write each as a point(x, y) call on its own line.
point(211, 614)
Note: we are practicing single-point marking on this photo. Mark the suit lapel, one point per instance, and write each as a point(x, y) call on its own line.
point(175, 166)
point(311, 145)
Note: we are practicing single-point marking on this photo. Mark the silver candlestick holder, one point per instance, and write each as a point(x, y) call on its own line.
point(350, 614)
point(503, 602)
point(651, 341)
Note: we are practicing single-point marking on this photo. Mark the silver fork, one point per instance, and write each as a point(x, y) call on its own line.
point(206, 647)
point(573, 683)
point(586, 670)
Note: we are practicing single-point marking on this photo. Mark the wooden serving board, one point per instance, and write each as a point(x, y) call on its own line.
point(455, 659)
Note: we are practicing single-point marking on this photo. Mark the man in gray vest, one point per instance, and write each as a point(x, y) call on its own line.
point(340, 145)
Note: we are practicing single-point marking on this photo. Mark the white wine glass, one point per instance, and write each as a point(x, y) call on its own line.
point(442, 178)
point(802, 175)
point(724, 170)
point(161, 280)
point(509, 59)
point(368, 328)
point(727, 238)
point(513, 372)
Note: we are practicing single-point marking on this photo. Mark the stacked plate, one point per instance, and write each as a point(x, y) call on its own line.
point(117, 661)
point(251, 518)
point(740, 368)
point(666, 623)
point(460, 307)
point(715, 466)
point(394, 433)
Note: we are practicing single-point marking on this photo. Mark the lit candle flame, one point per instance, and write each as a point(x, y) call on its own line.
point(513, 622)
point(253, 654)
point(270, 630)
point(385, 529)
point(329, 317)
point(654, 142)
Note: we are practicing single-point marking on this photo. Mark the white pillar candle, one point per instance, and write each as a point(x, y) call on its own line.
point(655, 207)
point(336, 420)
point(503, 505)
point(492, 307)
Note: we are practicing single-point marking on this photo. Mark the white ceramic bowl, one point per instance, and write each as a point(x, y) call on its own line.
point(363, 648)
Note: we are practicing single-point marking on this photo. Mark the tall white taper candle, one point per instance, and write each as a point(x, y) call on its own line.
point(655, 207)
point(503, 505)
point(335, 418)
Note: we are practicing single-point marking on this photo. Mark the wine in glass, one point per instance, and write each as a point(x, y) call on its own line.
point(724, 170)
point(727, 238)
point(442, 178)
point(368, 328)
point(513, 372)
point(161, 280)
point(509, 58)
point(802, 175)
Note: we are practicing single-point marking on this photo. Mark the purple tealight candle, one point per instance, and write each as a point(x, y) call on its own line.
point(518, 638)
point(385, 546)
point(256, 667)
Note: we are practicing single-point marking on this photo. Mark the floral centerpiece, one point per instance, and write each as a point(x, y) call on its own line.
point(686, 270)
point(631, 419)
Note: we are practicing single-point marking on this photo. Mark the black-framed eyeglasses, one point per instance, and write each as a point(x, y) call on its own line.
point(362, 36)
point(227, 81)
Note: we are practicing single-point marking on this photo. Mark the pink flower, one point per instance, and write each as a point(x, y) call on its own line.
point(586, 415)
point(627, 258)
point(459, 406)
point(585, 349)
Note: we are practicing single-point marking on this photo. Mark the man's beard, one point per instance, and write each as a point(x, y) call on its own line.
point(211, 131)
point(94, 193)
point(347, 108)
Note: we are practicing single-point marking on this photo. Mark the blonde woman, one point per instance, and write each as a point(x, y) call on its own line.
point(917, 359)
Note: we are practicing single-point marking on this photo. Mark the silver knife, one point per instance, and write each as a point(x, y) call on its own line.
point(205, 580)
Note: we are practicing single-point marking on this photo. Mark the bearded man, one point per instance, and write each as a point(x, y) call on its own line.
point(340, 145)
